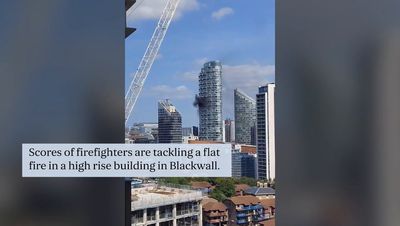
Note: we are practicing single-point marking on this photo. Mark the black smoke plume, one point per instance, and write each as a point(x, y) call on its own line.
point(199, 102)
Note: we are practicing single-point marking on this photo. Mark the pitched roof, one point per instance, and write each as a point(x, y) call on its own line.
point(257, 191)
point(266, 203)
point(207, 200)
point(244, 200)
point(241, 187)
point(214, 206)
point(200, 184)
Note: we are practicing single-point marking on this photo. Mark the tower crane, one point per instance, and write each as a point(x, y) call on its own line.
point(149, 56)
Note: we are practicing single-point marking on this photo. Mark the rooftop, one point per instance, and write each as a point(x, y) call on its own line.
point(250, 149)
point(241, 187)
point(258, 191)
point(244, 95)
point(266, 203)
point(200, 184)
point(245, 200)
point(207, 200)
point(167, 105)
point(214, 206)
point(155, 195)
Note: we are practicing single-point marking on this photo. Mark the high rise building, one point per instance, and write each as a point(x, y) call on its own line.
point(210, 102)
point(243, 165)
point(253, 135)
point(195, 130)
point(187, 131)
point(169, 123)
point(245, 117)
point(229, 130)
point(266, 131)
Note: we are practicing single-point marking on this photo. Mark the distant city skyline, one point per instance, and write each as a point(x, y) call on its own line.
point(238, 34)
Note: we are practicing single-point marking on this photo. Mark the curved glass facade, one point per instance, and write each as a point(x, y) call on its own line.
point(245, 118)
point(210, 108)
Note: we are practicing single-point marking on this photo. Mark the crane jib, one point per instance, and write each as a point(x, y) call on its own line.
point(149, 56)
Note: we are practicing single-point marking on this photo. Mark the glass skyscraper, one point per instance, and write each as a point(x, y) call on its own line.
point(229, 130)
point(245, 118)
point(243, 165)
point(210, 102)
point(266, 131)
point(169, 123)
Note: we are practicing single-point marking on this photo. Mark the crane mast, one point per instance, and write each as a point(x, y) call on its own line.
point(149, 56)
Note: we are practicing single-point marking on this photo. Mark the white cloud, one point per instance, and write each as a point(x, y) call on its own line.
point(221, 13)
point(201, 61)
point(246, 77)
point(189, 76)
point(193, 75)
point(169, 92)
point(152, 9)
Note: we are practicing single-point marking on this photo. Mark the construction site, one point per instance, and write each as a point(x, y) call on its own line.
point(159, 205)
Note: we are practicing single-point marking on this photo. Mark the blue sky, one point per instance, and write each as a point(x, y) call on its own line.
point(239, 33)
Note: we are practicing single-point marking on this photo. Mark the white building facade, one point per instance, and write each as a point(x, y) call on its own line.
point(265, 132)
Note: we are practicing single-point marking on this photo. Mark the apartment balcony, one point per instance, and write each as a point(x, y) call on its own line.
point(242, 214)
point(214, 221)
point(166, 215)
point(256, 207)
point(242, 221)
point(216, 214)
point(242, 208)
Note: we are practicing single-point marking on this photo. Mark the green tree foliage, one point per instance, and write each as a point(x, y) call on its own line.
point(218, 195)
point(225, 188)
point(246, 180)
point(176, 180)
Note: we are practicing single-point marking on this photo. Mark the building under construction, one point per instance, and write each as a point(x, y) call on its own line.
point(165, 206)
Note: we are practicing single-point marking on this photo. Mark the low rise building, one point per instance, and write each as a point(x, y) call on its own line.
point(215, 214)
point(269, 208)
point(261, 192)
point(202, 186)
point(240, 189)
point(244, 210)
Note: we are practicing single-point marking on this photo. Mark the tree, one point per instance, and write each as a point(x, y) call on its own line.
point(218, 195)
point(246, 180)
point(176, 180)
point(225, 186)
